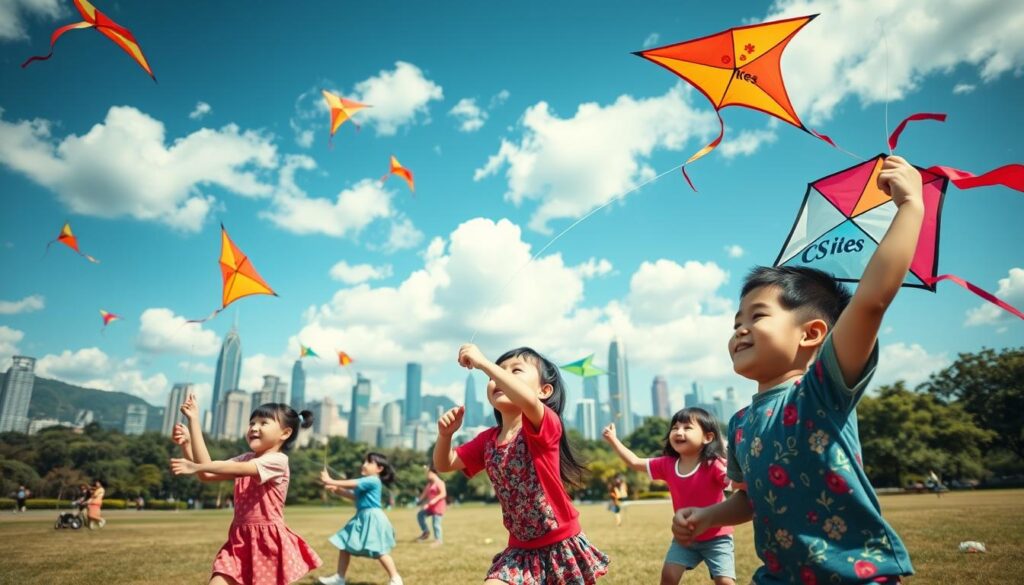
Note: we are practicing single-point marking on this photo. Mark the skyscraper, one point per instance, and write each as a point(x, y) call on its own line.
point(172, 415)
point(693, 398)
point(273, 391)
point(135, 419)
point(618, 387)
point(474, 410)
point(413, 381)
point(586, 418)
point(298, 386)
point(392, 425)
point(16, 394)
point(229, 370)
point(592, 391)
point(233, 414)
point(659, 398)
point(360, 405)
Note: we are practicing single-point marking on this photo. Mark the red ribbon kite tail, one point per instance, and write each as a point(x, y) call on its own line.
point(894, 138)
point(53, 39)
point(700, 153)
point(978, 291)
point(1011, 176)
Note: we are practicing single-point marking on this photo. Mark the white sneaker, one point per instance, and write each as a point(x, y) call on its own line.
point(334, 579)
point(103, 522)
point(396, 580)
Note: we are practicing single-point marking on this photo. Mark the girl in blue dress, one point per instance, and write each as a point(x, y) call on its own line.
point(369, 533)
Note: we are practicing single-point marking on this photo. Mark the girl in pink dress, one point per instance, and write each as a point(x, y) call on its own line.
point(529, 461)
point(260, 549)
point(433, 501)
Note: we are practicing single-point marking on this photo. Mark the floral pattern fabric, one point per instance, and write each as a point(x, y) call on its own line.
point(816, 517)
point(573, 561)
point(524, 506)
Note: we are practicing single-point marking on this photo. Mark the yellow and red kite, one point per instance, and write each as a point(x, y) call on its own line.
point(737, 67)
point(398, 169)
point(108, 317)
point(341, 109)
point(102, 23)
point(240, 276)
point(344, 359)
point(67, 237)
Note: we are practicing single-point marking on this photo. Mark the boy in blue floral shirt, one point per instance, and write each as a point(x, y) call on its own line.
point(795, 451)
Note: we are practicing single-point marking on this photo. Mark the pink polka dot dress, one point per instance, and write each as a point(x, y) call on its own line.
point(260, 549)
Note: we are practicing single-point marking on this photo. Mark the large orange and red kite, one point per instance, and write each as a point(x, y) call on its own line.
point(737, 67)
point(341, 109)
point(399, 170)
point(67, 237)
point(102, 23)
point(240, 276)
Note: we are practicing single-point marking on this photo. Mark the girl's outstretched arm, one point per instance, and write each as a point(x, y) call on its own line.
point(445, 458)
point(629, 457)
point(181, 438)
point(347, 484)
point(518, 391)
point(214, 470)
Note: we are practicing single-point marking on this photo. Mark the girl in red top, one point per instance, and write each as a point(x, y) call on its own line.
point(433, 501)
point(529, 461)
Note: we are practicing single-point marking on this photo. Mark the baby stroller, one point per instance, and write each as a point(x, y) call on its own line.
point(68, 520)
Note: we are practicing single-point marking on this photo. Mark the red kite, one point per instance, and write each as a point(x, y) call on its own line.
point(344, 359)
point(240, 276)
point(341, 109)
point(68, 238)
point(398, 169)
point(737, 67)
point(102, 23)
point(107, 318)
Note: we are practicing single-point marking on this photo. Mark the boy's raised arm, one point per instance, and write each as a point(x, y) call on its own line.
point(857, 329)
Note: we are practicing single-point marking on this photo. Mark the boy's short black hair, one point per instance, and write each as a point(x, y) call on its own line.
point(817, 293)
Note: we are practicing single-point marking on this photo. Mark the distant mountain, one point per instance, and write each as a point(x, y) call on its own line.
point(62, 401)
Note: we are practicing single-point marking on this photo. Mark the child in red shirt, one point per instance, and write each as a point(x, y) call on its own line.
point(527, 457)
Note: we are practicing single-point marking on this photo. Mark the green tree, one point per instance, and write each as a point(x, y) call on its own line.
point(904, 434)
point(648, 440)
point(990, 386)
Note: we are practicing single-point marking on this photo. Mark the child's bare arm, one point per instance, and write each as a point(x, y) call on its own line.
point(518, 391)
point(628, 456)
point(445, 458)
point(688, 523)
point(855, 333)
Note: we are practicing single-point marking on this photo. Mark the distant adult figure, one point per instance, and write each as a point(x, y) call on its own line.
point(936, 484)
point(95, 503)
point(139, 503)
point(616, 491)
point(433, 501)
point(81, 504)
point(21, 495)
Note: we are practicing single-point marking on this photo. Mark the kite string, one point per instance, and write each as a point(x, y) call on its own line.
point(885, 44)
point(565, 231)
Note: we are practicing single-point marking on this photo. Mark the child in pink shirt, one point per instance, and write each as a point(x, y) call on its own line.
point(693, 466)
point(527, 458)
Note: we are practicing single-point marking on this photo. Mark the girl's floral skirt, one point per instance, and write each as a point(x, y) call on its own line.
point(573, 561)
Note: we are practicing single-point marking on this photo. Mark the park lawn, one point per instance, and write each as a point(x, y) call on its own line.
point(178, 547)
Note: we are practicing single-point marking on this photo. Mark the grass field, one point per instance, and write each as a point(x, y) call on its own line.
point(172, 548)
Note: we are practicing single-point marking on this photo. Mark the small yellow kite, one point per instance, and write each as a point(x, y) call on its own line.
point(398, 169)
point(240, 276)
point(341, 110)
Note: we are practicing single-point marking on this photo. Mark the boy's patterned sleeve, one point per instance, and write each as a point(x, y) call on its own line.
point(733, 470)
point(472, 453)
point(825, 379)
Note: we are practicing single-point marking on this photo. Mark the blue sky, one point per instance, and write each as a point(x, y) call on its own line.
point(516, 120)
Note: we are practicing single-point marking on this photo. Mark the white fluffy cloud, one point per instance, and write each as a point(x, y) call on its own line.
point(843, 52)
point(747, 142)
point(470, 116)
point(359, 273)
point(13, 14)
point(352, 210)
point(9, 339)
point(962, 88)
point(594, 267)
point(573, 165)
point(402, 235)
point(399, 97)
point(161, 331)
point(25, 305)
point(124, 167)
point(201, 110)
point(735, 251)
point(664, 290)
point(92, 368)
point(1011, 290)
point(910, 363)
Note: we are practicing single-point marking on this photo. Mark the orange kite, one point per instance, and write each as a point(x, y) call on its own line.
point(341, 109)
point(344, 359)
point(68, 238)
point(398, 169)
point(737, 67)
point(102, 23)
point(240, 277)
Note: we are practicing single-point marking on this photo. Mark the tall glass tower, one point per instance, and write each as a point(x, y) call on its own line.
point(474, 413)
point(298, 386)
point(360, 406)
point(413, 383)
point(16, 394)
point(229, 371)
point(618, 387)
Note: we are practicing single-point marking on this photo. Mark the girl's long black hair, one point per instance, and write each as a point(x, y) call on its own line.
point(708, 424)
point(570, 468)
point(387, 472)
point(286, 417)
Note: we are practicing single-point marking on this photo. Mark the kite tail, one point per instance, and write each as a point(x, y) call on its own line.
point(702, 152)
point(53, 40)
point(90, 258)
point(1011, 176)
point(894, 138)
point(207, 318)
point(978, 291)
